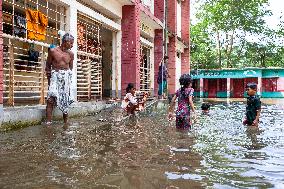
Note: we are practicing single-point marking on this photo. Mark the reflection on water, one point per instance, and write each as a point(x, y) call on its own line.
point(106, 151)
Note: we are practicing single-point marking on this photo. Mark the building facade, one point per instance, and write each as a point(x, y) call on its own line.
point(116, 42)
point(231, 83)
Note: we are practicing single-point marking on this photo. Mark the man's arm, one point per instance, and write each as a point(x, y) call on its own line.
point(255, 122)
point(167, 73)
point(71, 61)
point(258, 106)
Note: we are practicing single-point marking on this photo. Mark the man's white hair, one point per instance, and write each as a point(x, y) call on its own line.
point(67, 37)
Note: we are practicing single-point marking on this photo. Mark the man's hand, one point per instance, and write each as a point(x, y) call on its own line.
point(48, 74)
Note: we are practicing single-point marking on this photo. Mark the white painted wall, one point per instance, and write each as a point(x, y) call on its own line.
point(179, 19)
point(178, 70)
point(106, 22)
point(112, 5)
point(116, 64)
point(71, 26)
point(71, 20)
point(149, 3)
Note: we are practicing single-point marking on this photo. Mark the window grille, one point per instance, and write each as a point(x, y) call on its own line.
point(145, 69)
point(26, 47)
point(89, 66)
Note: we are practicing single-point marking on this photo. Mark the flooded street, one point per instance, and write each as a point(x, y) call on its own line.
point(148, 152)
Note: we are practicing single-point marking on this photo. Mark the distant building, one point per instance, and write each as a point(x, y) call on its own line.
point(231, 82)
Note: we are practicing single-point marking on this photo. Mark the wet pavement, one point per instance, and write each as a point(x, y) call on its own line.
point(148, 152)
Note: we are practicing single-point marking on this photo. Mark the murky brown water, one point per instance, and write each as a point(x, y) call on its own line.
point(219, 152)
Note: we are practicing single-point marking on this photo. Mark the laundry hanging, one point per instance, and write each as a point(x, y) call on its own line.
point(20, 26)
point(36, 24)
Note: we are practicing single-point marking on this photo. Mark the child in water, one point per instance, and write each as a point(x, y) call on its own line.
point(130, 102)
point(184, 96)
point(205, 108)
point(253, 107)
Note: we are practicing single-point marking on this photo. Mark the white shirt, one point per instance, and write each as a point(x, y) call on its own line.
point(129, 98)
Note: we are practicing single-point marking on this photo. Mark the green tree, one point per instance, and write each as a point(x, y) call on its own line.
point(228, 23)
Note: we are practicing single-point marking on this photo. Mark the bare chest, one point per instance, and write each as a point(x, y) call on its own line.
point(60, 57)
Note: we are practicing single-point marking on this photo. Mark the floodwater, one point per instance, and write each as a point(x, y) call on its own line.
point(148, 152)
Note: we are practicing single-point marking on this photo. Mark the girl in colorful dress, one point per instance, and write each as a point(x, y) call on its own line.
point(130, 102)
point(184, 96)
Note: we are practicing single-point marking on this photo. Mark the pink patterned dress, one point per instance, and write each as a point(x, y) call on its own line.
point(183, 109)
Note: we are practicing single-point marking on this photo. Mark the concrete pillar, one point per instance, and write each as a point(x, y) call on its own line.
point(116, 65)
point(172, 45)
point(172, 16)
point(130, 51)
point(185, 21)
point(159, 9)
point(72, 28)
point(185, 65)
point(201, 84)
point(158, 56)
point(228, 87)
point(259, 85)
point(172, 65)
point(185, 35)
point(1, 66)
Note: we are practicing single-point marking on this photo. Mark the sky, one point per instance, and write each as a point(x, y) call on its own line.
point(276, 6)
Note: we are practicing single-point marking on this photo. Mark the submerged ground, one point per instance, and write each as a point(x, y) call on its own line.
point(101, 152)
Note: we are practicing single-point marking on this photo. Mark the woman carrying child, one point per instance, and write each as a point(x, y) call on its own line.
point(184, 96)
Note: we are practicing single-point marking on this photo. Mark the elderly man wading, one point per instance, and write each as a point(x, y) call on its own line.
point(58, 69)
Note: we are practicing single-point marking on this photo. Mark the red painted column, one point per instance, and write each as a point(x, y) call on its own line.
point(1, 59)
point(172, 45)
point(130, 46)
point(185, 35)
point(172, 16)
point(158, 41)
point(185, 64)
point(172, 65)
point(158, 56)
point(159, 9)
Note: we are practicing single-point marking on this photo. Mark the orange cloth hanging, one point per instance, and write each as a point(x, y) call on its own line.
point(36, 24)
point(43, 22)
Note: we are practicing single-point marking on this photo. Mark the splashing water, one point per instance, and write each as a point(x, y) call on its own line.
point(148, 152)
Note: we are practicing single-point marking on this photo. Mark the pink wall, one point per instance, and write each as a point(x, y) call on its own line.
point(185, 20)
point(172, 65)
point(130, 49)
point(172, 15)
point(185, 64)
point(159, 10)
point(158, 56)
point(280, 84)
point(172, 27)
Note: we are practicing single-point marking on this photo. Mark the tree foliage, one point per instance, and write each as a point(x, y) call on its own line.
point(220, 37)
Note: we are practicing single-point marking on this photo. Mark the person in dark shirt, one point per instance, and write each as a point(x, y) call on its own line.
point(253, 107)
point(162, 79)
